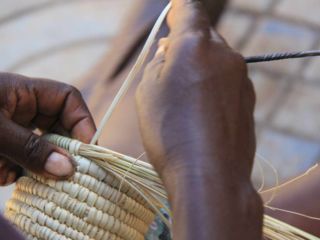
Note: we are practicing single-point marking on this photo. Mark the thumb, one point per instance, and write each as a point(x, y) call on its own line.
point(33, 152)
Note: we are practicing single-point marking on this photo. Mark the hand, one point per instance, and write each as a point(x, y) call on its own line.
point(196, 94)
point(195, 106)
point(27, 104)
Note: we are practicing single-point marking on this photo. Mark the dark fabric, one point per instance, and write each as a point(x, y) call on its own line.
point(8, 232)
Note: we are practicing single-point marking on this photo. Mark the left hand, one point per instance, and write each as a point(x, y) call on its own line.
point(27, 104)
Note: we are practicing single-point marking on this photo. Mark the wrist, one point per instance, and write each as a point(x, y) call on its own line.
point(205, 173)
point(184, 182)
point(205, 207)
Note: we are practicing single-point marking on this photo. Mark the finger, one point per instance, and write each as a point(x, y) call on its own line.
point(11, 178)
point(161, 50)
point(4, 171)
point(32, 152)
point(154, 67)
point(152, 72)
point(55, 98)
point(44, 122)
point(6, 163)
point(26, 106)
point(2, 163)
point(3, 176)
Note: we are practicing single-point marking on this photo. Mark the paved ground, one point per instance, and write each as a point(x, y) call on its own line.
point(64, 39)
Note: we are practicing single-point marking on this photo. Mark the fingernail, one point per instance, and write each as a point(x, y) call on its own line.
point(3, 178)
point(2, 163)
point(59, 165)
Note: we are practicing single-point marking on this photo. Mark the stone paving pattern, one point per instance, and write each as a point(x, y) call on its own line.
point(64, 39)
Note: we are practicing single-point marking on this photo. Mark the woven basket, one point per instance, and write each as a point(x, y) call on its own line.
point(88, 206)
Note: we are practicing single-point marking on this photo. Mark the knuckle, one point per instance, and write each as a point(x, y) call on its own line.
point(68, 88)
point(33, 152)
point(75, 92)
point(9, 77)
point(72, 91)
point(194, 38)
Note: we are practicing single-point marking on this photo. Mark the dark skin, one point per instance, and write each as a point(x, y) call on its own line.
point(302, 197)
point(26, 104)
point(195, 106)
point(196, 119)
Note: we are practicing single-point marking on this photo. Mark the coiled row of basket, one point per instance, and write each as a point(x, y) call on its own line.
point(91, 205)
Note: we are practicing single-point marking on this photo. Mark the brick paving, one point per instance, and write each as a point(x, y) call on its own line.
point(288, 92)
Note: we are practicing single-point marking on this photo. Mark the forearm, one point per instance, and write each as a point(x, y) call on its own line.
point(303, 197)
point(208, 206)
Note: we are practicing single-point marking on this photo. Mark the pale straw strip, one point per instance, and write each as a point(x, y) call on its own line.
point(115, 183)
point(91, 214)
point(148, 197)
point(80, 208)
point(132, 74)
point(63, 216)
point(136, 182)
point(275, 232)
point(123, 201)
point(110, 179)
point(291, 180)
point(67, 204)
point(125, 164)
point(90, 168)
point(140, 182)
point(44, 220)
point(30, 237)
point(292, 212)
point(80, 191)
point(144, 183)
point(285, 229)
point(105, 198)
point(143, 189)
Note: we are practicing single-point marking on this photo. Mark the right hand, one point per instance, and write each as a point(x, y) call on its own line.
point(196, 99)
point(195, 106)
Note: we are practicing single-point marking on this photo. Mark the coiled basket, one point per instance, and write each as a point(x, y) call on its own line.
point(93, 204)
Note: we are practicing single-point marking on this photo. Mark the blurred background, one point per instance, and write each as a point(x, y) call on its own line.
point(63, 40)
